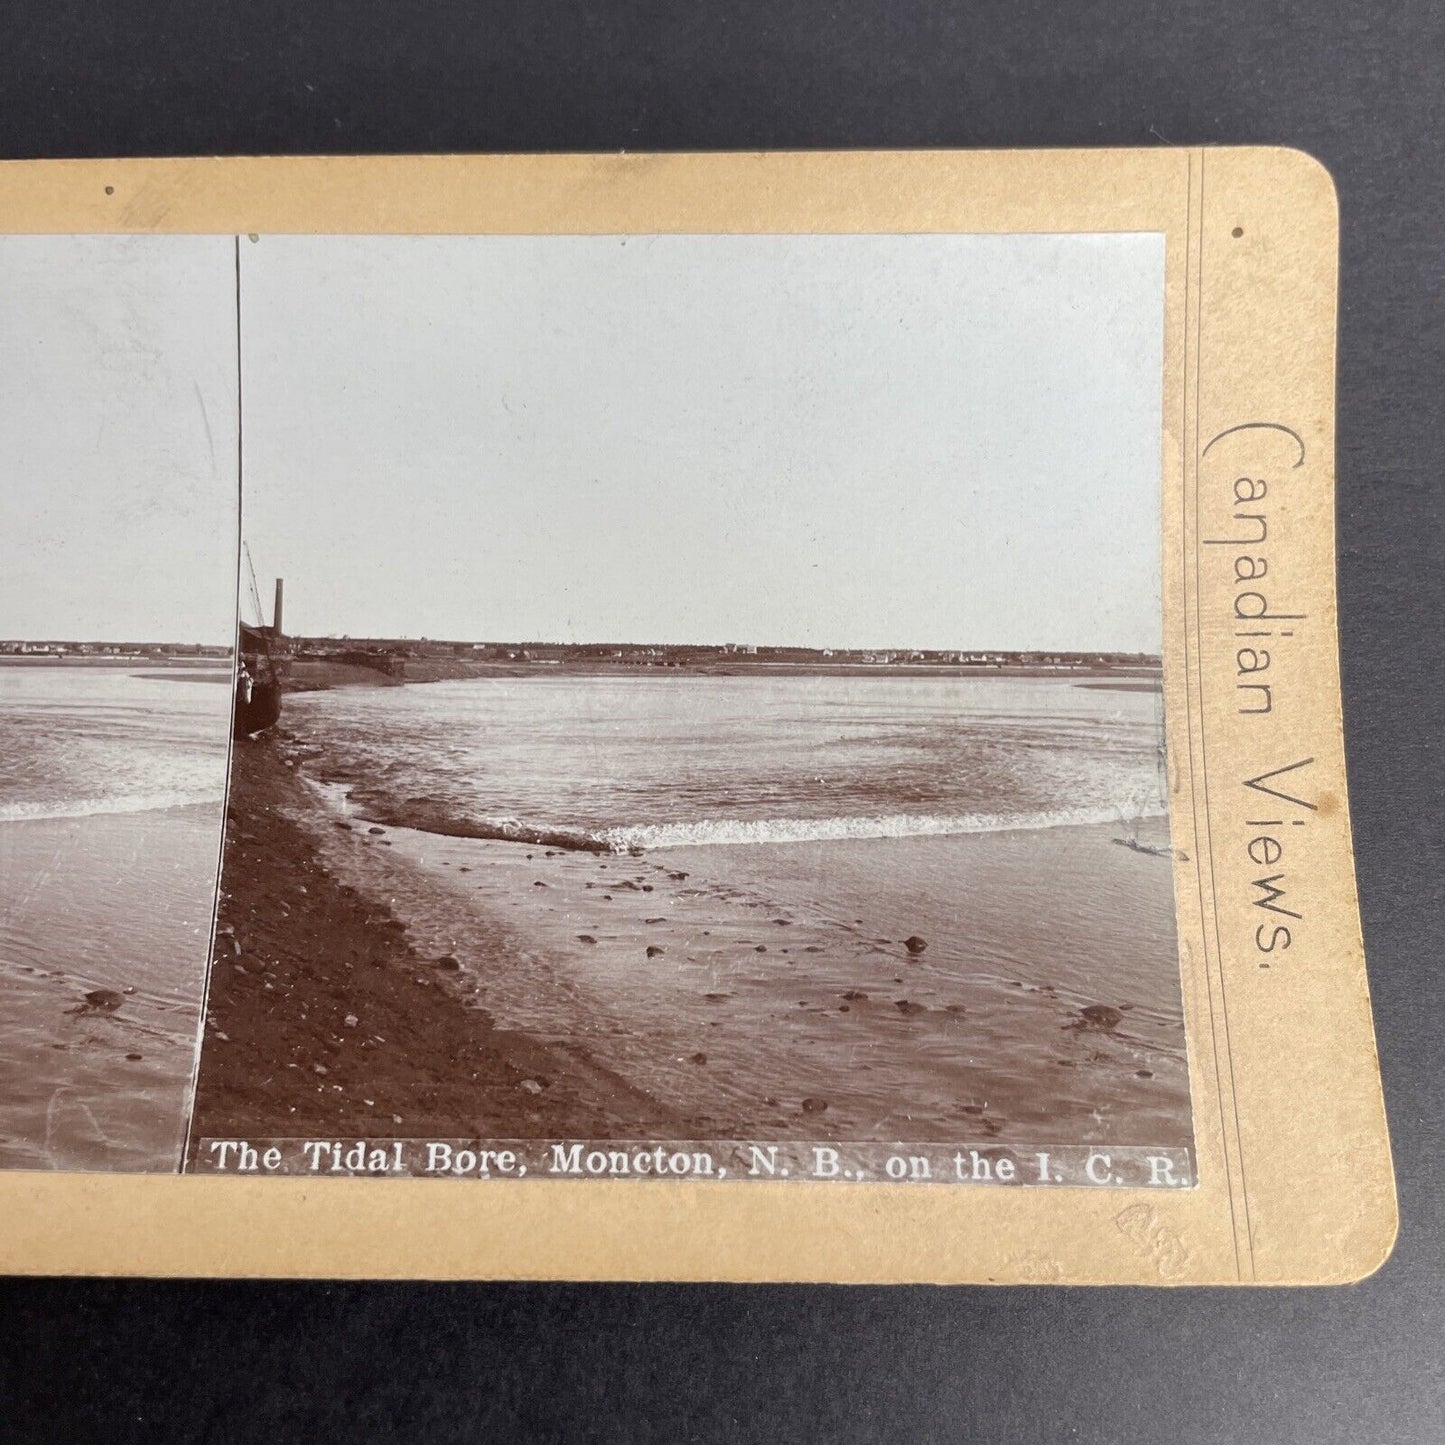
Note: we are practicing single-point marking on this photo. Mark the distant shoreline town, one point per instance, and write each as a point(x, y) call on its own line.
point(115, 651)
point(389, 655)
point(694, 654)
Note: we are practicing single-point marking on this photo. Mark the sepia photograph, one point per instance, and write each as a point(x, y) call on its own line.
point(118, 516)
point(698, 711)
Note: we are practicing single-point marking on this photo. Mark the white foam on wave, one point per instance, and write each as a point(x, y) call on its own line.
point(35, 811)
point(721, 831)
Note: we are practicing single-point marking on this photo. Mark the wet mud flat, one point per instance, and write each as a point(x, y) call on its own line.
point(324, 1018)
point(104, 926)
point(766, 993)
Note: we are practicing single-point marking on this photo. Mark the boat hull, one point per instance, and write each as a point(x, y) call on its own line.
point(258, 712)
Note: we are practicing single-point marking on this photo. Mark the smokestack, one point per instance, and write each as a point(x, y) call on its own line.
point(276, 615)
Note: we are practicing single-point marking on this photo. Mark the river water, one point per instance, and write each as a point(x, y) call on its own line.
point(111, 789)
point(731, 867)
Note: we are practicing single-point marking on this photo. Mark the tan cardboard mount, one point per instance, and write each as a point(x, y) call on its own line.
point(1292, 1148)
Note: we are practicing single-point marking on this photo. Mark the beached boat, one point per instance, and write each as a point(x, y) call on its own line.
point(258, 684)
point(259, 676)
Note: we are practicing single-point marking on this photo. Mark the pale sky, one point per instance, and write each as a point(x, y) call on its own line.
point(867, 441)
point(833, 441)
point(117, 438)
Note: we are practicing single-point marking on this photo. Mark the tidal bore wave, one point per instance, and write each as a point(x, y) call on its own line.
point(712, 832)
point(34, 811)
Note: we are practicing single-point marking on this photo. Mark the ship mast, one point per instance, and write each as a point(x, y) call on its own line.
point(255, 590)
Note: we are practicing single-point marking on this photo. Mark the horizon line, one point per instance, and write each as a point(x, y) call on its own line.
point(738, 649)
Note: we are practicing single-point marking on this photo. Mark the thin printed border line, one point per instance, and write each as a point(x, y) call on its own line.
point(1204, 759)
point(1190, 598)
point(1229, 1124)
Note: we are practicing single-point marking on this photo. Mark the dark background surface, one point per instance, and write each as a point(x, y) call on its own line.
point(1362, 90)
